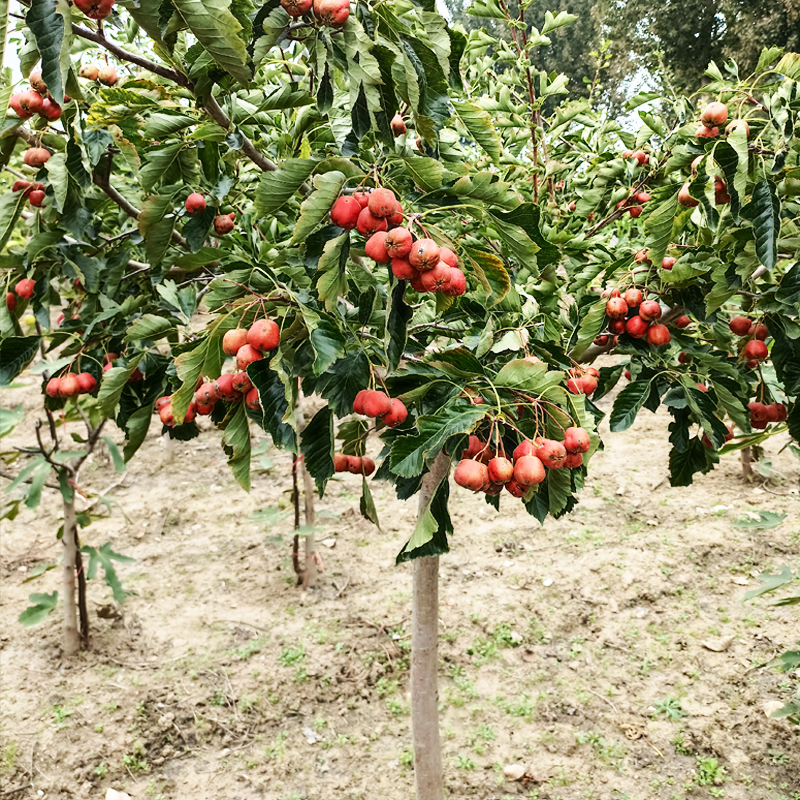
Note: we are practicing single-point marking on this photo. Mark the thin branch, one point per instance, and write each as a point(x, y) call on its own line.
point(9, 476)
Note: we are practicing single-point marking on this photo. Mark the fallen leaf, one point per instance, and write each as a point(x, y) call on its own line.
point(514, 772)
point(718, 645)
point(739, 580)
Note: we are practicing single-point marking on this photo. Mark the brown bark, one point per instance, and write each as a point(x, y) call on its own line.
point(72, 639)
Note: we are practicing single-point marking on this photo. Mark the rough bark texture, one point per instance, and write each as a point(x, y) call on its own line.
point(72, 639)
point(310, 574)
point(747, 469)
point(428, 775)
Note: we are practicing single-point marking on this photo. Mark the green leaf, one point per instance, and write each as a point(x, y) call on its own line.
point(367, 504)
point(189, 366)
point(274, 406)
point(317, 205)
point(528, 217)
point(684, 464)
point(49, 22)
point(627, 405)
point(16, 353)
point(161, 126)
point(105, 557)
point(764, 211)
point(433, 526)
point(426, 173)
point(332, 283)
point(409, 453)
point(275, 188)
point(9, 419)
point(345, 378)
point(43, 604)
point(732, 155)
point(768, 55)
point(317, 446)
point(552, 22)
point(609, 378)
point(789, 66)
point(136, 427)
point(491, 272)
point(11, 205)
point(113, 384)
point(328, 343)
point(236, 443)
point(116, 456)
point(149, 326)
point(38, 479)
point(59, 179)
point(156, 224)
point(658, 228)
point(759, 521)
point(479, 125)
point(159, 161)
point(486, 8)
point(559, 490)
point(218, 31)
point(769, 583)
point(789, 288)
point(592, 323)
point(533, 378)
point(398, 316)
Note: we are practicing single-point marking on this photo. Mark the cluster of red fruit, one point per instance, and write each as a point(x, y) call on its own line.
point(33, 191)
point(639, 155)
point(36, 157)
point(755, 350)
point(713, 117)
point(391, 411)
point(36, 100)
point(643, 257)
point(223, 223)
point(94, 9)
point(108, 363)
point(331, 13)
point(761, 415)
point(481, 469)
point(633, 204)
point(640, 314)
point(583, 380)
point(23, 289)
point(106, 74)
point(354, 464)
point(71, 384)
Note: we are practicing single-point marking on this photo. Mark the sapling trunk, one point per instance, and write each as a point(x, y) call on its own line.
point(310, 573)
point(428, 775)
point(747, 469)
point(72, 639)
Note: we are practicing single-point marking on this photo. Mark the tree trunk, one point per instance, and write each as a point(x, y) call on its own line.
point(747, 470)
point(72, 639)
point(310, 574)
point(83, 606)
point(428, 775)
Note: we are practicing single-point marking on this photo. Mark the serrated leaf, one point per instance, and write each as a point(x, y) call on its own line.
point(427, 173)
point(116, 456)
point(162, 125)
point(528, 217)
point(16, 352)
point(345, 378)
point(609, 378)
point(59, 180)
point(760, 521)
point(332, 283)
point(274, 405)
point(552, 22)
point(236, 443)
point(367, 504)
point(43, 604)
point(156, 226)
point(658, 228)
point(732, 155)
point(49, 22)
point(479, 125)
point(136, 427)
point(684, 465)
point(158, 161)
point(114, 382)
point(591, 324)
point(764, 211)
point(317, 446)
point(317, 205)
point(433, 527)
point(275, 188)
point(398, 316)
point(559, 490)
point(328, 343)
point(105, 557)
point(218, 30)
point(789, 66)
point(769, 583)
point(768, 55)
point(11, 205)
point(149, 326)
point(627, 405)
point(9, 419)
point(492, 274)
point(189, 366)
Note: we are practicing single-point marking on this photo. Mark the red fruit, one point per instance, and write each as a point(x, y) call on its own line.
point(759, 331)
point(515, 490)
point(658, 335)
point(576, 440)
point(549, 452)
point(354, 465)
point(627, 153)
point(740, 325)
point(448, 256)
point(241, 383)
point(683, 358)
point(642, 257)
point(206, 394)
point(135, 376)
point(633, 297)
point(572, 206)
point(195, 203)
point(24, 288)
point(627, 374)
point(641, 157)
point(296, 8)
point(458, 283)
point(617, 326)
point(685, 198)
point(246, 355)
point(109, 357)
point(345, 211)
point(668, 262)
point(501, 470)
point(21, 186)
point(358, 403)
point(424, 254)
point(107, 367)
point(50, 111)
point(474, 446)
point(396, 218)
point(165, 415)
point(264, 334)
point(339, 462)
point(529, 471)
point(382, 203)
point(36, 157)
point(367, 466)
point(524, 448)
point(191, 413)
point(53, 388)
point(88, 71)
point(223, 224)
point(602, 340)
point(333, 13)
point(233, 340)
point(573, 460)
point(755, 350)
point(362, 198)
point(16, 105)
point(398, 126)
point(714, 114)
point(36, 82)
point(416, 283)
point(397, 414)
point(437, 279)
point(11, 301)
point(252, 400)
point(398, 243)
point(636, 327)
point(576, 386)
point(31, 102)
point(758, 412)
point(649, 310)
point(95, 9)
point(402, 270)
point(375, 248)
point(635, 211)
point(69, 385)
point(36, 198)
point(376, 404)
point(702, 387)
point(721, 196)
point(683, 321)
point(471, 474)
point(642, 197)
point(367, 223)
point(223, 388)
point(704, 132)
point(616, 308)
point(777, 412)
point(86, 383)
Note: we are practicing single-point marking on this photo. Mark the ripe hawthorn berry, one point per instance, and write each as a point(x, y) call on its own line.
point(345, 211)
point(264, 334)
point(382, 203)
point(424, 254)
point(471, 474)
point(233, 340)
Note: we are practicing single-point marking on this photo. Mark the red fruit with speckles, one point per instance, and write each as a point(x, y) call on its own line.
point(15, 104)
point(165, 415)
point(759, 331)
point(683, 321)
point(515, 489)
point(635, 211)
point(754, 351)
point(636, 327)
point(474, 446)
point(24, 288)
point(31, 102)
point(650, 310)
point(252, 400)
point(107, 75)
point(339, 462)
point(397, 414)
point(11, 301)
point(53, 388)
point(437, 279)
point(740, 325)
point(36, 157)
point(668, 262)
point(576, 440)
point(382, 203)
point(714, 114)
point(367, 466)
point(573, 460)
point(233, 340)
point(195, 203)
point(345, 211)
point(332, 13)
point(241, 383)
point(448, 256)
point(69, 385)
point(500, 469)
point(86, 382)
point(617, 326)
point(704, 132)
point(246, 355)
point(367, 223)
point(375, 248)
point(358, 403)
point(398, 126)
point(206, 394)
point(641, 157)
point(424, 254)
point(529, 470)
point(396, 218)
point(402, 270)
point(264, 334)
point(685, 198)
point(95, 9)
point(88, 71)
point(616, 308)
point(658, 335)
point(223, 388)
point(549, 452)
point(204, 409)
point(36, 198)
point(296, 8)
point(642, 256)
point(398, 242)
point(471, 475)
point(223, 224)
point(50, 111)
point(758, 412)
point(376, 404)
point(458, 283)
point(633, 297)
point(21, 186)
point(777, 412)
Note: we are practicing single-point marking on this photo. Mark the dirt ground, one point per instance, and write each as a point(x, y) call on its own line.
point(606, 655)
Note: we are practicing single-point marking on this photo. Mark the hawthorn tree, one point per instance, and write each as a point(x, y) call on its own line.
point(372, 208)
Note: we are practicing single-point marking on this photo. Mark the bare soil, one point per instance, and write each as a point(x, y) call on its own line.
point(605, 655)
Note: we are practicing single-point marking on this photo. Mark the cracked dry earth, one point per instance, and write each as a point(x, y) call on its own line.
point(606, 655)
